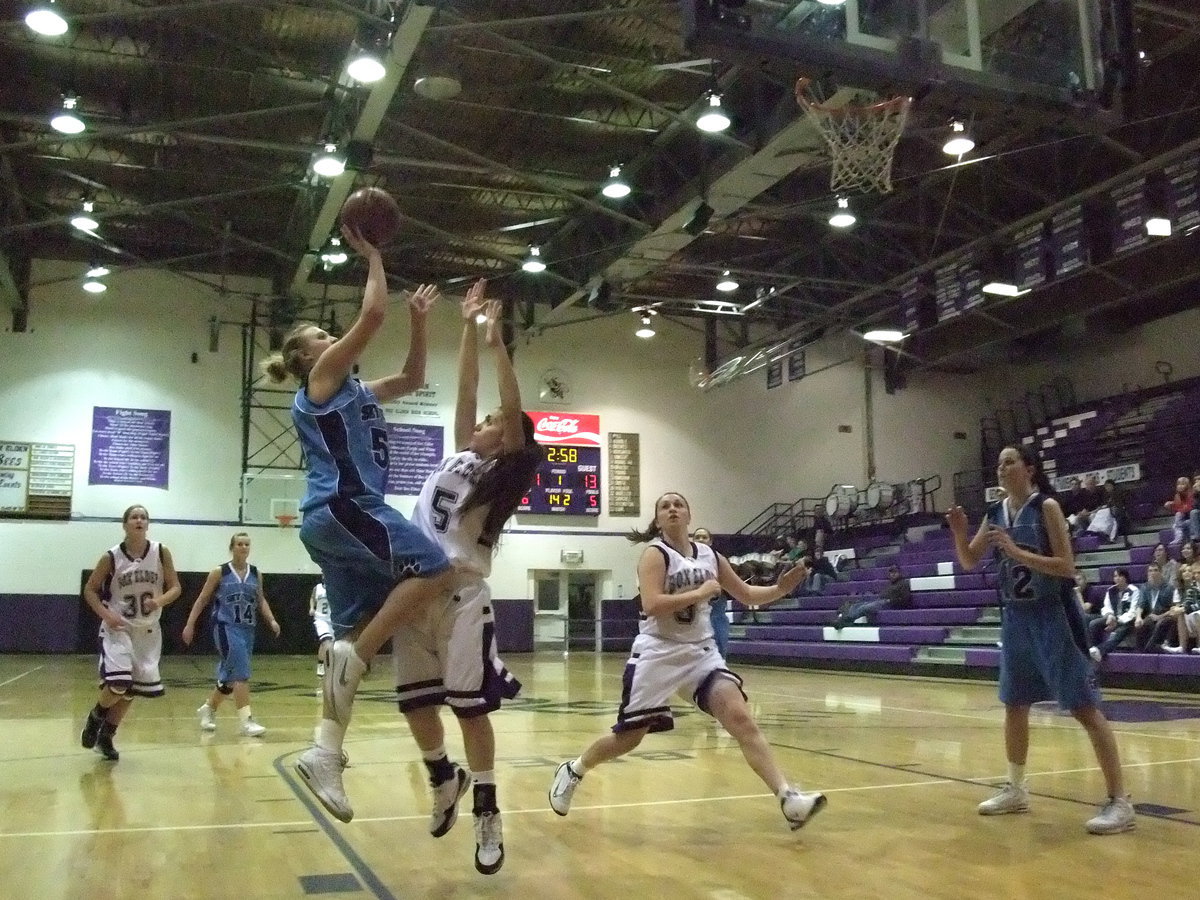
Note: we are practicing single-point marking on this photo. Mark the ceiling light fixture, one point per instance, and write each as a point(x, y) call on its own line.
point(45, 20)
point(1158, 226)
point(842, 216)
point(534, 262)
point(646, 331)
point(831, 2)
point(95, 286)
point(334, 254)
point(97, 271)
point(959, 142)
point(727, 283)
point(713, 119)
point(329, 163)
point(616, 187)
point(66, 120)
point(883, 334)
point(83, 220)
point(366, 68)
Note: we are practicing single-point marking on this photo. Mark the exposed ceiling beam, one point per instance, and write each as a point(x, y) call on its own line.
point(409, 30)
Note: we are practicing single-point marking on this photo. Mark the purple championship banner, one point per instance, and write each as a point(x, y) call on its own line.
point(414, 451)
point(130, 446)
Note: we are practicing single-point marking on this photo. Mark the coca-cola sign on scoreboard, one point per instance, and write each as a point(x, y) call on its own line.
point(568, 481)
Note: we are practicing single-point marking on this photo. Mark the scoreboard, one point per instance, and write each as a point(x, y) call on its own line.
point(567, 481)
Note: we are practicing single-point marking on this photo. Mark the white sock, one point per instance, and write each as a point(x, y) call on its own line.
point(785, 790)
point(244, 713)
point(1016, 775)
point(330, 735)
point(489, 777)
point(435, 754)
point(578, 767)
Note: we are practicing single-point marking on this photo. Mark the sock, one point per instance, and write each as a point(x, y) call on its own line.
point(1016, 774)
point(439, 765)
point(578, 767)
point(485, 794)
point(784, 791)
point(330, 735)
point(244, 713)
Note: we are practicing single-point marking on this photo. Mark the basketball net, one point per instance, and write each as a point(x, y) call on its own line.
point(862, 139)
point(285, 520)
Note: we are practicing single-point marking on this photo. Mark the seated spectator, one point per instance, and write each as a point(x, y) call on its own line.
point(1180, 506)
point(1189, 622)
point(1090, 608)
point(1194, 515)
point(1187, 554)
point(897, 595)
point(1121, 615)
point(1114, 499)
point(1159, 600)
point(821, 573)
point(1088, 499)
point(797, 548)
point(1071, 500)
point(1168, 566)
point(822, 530)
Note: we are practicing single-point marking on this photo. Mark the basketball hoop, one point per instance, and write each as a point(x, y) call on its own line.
point(862, 139)
point(285, 520)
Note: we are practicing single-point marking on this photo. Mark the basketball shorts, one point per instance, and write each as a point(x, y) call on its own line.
point(364, 548)
point(450, 657)
point(235, 643)
point(656, 670)
point(1042, 657)
point(129, 659)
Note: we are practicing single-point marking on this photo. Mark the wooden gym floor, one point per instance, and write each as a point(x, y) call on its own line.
point(903, 762)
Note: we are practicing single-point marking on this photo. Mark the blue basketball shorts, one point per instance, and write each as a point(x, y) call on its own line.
point(364, 548)
point(1041, 658)
point(235, 643)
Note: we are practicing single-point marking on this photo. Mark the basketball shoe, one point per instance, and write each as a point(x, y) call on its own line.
point(562, 788)
point(489, 843)
point(1010, 798)
point(104, 744)
point(250, 728)
point(446, 795)
point(321, 772)
point(91, 729)
point(798, 808)
point(207, 722)
point(1115, 816)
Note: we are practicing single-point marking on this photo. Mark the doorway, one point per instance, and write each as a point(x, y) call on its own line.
point(564, 608)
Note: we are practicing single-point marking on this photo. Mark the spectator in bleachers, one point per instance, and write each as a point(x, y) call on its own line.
point(896, 595)
point(1159, 600)
point(1090, 608)
point(1168, 566)
point(1089, 499)
point(1106, 519)
point(1121, 616)
point(1115, 500)
point(1189, 599)
point(797, 548)
point(822, 530)
point(1194, 515)
point(1187, 554)
point(1180, 506)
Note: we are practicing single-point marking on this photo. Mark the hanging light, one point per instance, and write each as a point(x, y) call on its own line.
point(534, 262)
point(329, 163)
point(334, 254)
point(92, 283)
point(45, 20)
point(959, 142)
point(727, 283)
point(366, 68)
point(66, 120)
point(842, 216)
point(646, 331)
point(883, 335)
point(831, 2)
point(83, 219)
point(1158, 226)
point(98, 271)
point(713, 118)
point(616, 187)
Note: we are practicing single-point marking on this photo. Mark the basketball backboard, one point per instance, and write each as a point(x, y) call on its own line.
point(1058, 51)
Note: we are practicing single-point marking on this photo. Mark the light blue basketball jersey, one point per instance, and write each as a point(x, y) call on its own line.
point(236, 600)
point(1018, 583)
point(344, 443)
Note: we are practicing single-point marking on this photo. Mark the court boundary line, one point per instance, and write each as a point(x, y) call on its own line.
point(22, 675)
point(926, 780)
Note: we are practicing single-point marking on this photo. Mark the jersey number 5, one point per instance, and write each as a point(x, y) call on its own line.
point(379, 447)
point(443, 502)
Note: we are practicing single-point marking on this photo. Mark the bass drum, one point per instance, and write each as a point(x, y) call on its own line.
point(880, 495)
point(841, 502)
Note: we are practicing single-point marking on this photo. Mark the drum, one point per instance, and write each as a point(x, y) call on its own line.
point(842, 501)
point(880, 495)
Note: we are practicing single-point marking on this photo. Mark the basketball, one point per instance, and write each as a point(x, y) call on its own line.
point(373, 213)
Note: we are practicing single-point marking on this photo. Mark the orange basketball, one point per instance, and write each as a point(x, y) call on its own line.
point(373, 213)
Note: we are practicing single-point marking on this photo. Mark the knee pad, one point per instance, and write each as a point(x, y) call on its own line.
point(224, 688)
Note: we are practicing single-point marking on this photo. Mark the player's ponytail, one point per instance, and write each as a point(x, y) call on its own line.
point(288, 362)
point(652, 531)
point(504, 483)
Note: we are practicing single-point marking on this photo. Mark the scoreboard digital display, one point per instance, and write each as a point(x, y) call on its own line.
point(567, 481)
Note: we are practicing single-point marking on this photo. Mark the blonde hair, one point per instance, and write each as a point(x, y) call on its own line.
point(233, 540)
point(288, 361)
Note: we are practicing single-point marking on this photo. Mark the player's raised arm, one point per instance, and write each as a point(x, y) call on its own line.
point(467, 402)
point(412, 375)
point(513, 438)
point(969, 552)
point(758, 594)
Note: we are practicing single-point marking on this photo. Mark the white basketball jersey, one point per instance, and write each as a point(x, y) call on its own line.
point(320, 602)
point(692, 624)
point(133, 582)
point(439, 514)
